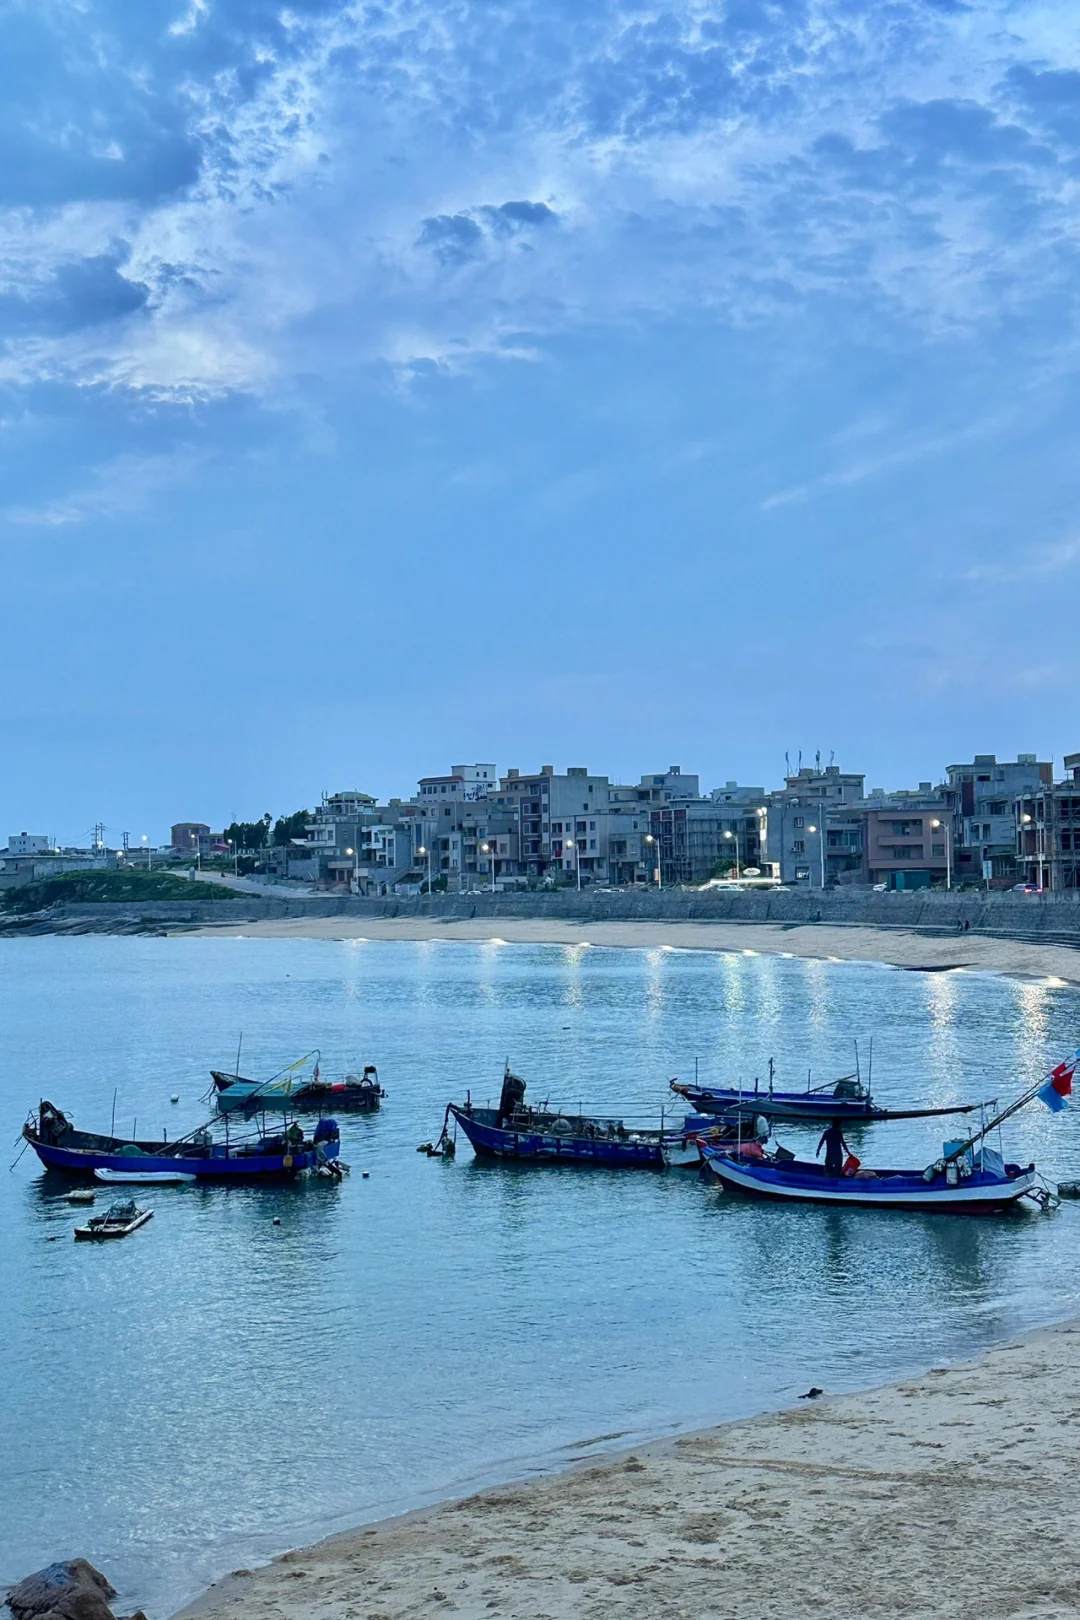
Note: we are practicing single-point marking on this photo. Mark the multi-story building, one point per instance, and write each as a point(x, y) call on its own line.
point(810, 826)
point(909, 837)
point(187, 836)
point(985, 793)
point(27, 844)
point(1048, 831)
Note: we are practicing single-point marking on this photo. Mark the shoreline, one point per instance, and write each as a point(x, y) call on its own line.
point(777, 1515)
point(845, 942)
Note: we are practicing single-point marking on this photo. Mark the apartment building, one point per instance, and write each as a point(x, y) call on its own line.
point(1048, 832)
point(909, 837)
point(985, 794)
point(813, 837)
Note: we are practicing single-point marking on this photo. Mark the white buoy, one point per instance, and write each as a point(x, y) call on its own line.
point(175, 1098)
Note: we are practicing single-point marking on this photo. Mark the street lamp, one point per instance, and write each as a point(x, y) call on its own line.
point(649, 839)
point(948, 850)
point(427, 852)
point(149, 853)
point(570, 844)
point(355, 869)
point(235, 856)
point(821, 847)
point(486, 849)
point(730, 834)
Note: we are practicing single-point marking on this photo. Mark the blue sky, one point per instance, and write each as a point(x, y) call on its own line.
point(588, 383)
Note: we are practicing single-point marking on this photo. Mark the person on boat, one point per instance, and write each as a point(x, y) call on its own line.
point(836, 1149)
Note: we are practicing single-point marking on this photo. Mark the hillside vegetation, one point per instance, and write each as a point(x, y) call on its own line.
point(124, 884)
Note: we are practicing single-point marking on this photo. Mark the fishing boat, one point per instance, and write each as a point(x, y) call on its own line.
point(516, 1131)
point(846, 1099)
point(117, 1221)
point(356, 1094)
point(261, 1156)
point(969, 1177)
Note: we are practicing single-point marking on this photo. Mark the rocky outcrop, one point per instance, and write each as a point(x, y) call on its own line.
point(64, 1591)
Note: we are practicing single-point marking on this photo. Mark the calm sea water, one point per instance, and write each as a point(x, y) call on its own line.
point(217, 1388)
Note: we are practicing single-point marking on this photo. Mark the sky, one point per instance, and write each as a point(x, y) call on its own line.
point(387, 386)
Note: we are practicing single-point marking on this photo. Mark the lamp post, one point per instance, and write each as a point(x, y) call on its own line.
point(235, 856)
point(649, 839)
point(488, 850)
point(571, 844)
point(149, 853)
point(730, 834)
point(355, 869)
point(821, 847)
point(1025, 821)
point(948, 849)
point(427, 852)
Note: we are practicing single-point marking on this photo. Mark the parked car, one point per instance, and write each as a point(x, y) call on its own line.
point(1027, 888)
point(880, 888)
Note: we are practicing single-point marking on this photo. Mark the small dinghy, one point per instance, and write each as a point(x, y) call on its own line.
point(117, 1221)
point(143, 1178)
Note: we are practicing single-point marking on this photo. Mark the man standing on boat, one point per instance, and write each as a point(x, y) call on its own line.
point(836, 1149)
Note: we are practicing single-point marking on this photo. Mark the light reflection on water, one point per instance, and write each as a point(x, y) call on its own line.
point(218, 1387)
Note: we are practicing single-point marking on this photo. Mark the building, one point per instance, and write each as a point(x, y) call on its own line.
point(1048, 832)
point(466, 782)
point(986, 792)
point(28, 844)
point(813, 836)
point(186, 836)
point(909, 837)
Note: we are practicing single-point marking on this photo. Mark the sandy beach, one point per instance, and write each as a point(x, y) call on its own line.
point(948, 1495)
point(899, 946)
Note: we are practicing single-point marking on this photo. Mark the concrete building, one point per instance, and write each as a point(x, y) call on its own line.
point(186, 836)
point(1048, 832)
point(467, 782)
point(809, 827)
point(986, 792)
point(27, 844)
point(909, 837)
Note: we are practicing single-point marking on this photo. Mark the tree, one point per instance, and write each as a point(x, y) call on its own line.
point(294, 826)
point(245, 835)
point(722, 866)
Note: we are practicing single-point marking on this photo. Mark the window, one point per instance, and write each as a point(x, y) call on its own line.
point(556, 826)
point(797, 822)
point(798, 846)
point(592, 843)
point(801, 873)
point(937, 850)
point(907, 852)
point(592, 826)
point(906, 829)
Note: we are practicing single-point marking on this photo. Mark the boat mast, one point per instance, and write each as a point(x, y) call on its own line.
point(999, 1119)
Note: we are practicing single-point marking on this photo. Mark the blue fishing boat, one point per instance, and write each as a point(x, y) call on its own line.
point(277, 1155)
point(969, 1177)
point(846, 1099)
point(516, 1131)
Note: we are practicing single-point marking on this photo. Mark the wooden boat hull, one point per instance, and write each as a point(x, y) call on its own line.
point(490, 1141)
point(982, 1193)
point(237, 1096)
point(802, 1106)
point(102, 1234)
point(60, 1146)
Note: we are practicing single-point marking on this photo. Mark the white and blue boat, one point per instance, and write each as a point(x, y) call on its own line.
point(515, 1131)
point(277, 1155)
point(970, 1177)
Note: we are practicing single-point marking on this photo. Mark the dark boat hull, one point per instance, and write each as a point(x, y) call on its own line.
point(310, 1098)
point(490, 1141)
point(802, 1106)
point(982, 1193)
point(247, 1167)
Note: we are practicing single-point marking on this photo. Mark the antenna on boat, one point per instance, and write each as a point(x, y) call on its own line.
point(239, 1044)
point(772, 1067)
point(870, 1065)
point(112, 1120)
point(858, 1075)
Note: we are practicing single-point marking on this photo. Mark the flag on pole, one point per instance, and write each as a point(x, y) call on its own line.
point(315, 1076)
point(1058, 1088)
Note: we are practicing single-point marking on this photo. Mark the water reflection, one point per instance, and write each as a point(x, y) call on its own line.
point(418, 1305)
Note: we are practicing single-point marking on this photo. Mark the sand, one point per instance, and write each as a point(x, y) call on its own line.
point(837, 941)
point(950, 1495)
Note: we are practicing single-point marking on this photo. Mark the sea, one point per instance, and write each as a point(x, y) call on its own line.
point(259, 1367)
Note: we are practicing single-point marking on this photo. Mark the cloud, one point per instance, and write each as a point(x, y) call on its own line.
point(119, 488)
point(310, 189)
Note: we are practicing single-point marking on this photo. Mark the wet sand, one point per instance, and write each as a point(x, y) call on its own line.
point(947, 1496)
point(900, 947)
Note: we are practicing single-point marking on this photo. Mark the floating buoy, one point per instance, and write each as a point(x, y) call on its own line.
point(175, 1097)
point(277, 1220)
point(365, 1174)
